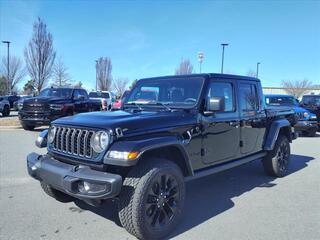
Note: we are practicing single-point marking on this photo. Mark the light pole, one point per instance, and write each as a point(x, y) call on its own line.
point(96, 75)
point(200, 59)
point(258, 63)
point(223, 46)
point(8, 67)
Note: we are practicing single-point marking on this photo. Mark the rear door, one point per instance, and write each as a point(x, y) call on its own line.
point(252, 117)
point(221, 131)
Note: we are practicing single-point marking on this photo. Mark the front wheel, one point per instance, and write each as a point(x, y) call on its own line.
point(276, 162)
point(6, 111)
point(152, 199)
point(27, 127)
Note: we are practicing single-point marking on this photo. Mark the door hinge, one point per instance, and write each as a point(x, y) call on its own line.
point(241, 144)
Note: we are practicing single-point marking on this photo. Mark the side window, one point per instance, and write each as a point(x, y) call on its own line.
point(76, 94)
point(84, 93)
point(248, 98)
point(223, 90)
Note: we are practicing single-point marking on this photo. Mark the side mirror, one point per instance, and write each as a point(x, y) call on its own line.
point(214, 104)
point(80, 97)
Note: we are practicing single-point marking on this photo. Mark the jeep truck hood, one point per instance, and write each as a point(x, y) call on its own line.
point(130, 122)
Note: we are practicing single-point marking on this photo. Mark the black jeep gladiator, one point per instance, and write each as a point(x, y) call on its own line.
point(53, 103)
point(186, 127)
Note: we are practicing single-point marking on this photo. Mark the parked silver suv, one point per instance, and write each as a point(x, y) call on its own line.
point(4, 107)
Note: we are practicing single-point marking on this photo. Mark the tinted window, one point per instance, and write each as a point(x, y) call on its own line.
point(311, 100)
point(224, 91)
point(281, 101)
point(99, 95)
point(248, 97)
point(93, 95)
point(56, 92)
point(83, 93)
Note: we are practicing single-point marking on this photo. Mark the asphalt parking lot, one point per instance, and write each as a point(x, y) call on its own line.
point(241, 203)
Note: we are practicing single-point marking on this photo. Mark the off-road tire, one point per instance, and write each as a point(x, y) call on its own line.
point(135, 192)
point(56, 194)
point(276, 162)
point(6, 111)
point(28, 127)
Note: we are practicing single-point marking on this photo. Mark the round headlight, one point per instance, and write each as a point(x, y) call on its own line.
point(52, 134)
point(305, 114)
point(100, 141)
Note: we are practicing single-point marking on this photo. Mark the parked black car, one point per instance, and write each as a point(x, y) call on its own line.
point(312, 103)
point(17, 105)
point(53, 103)
point(12, 99)
point(192, 126)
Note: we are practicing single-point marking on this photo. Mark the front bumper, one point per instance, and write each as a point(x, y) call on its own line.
point(38, 118)
point(66, 177)
point(305, 126)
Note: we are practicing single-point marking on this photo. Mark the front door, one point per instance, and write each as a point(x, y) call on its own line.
point(221, 131)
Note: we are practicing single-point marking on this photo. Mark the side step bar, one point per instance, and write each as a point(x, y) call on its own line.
point(225, 166)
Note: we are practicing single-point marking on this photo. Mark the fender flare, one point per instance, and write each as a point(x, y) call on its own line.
point(274, 131)
point(144, 145)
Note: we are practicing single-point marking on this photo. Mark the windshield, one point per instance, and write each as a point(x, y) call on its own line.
point(99, 95)
point(281, 101)
point(313, 100)
point(56, 92)
point(174, 92)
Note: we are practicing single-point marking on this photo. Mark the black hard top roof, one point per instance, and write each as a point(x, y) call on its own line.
point(207, 75)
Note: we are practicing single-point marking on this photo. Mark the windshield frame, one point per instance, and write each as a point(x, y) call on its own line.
point(153, 104)
point(59, 89)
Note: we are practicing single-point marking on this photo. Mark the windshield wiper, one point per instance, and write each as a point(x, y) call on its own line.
point(162, 104)
point(134, 104)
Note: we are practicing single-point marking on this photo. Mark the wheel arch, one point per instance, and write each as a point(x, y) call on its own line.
point(277, 128)
point(161, 147)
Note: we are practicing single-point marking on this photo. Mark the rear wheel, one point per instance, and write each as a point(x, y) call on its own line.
point(152, 199)
point(277, 161)
point(28, 127)
point(56, 194)
point(6, 111)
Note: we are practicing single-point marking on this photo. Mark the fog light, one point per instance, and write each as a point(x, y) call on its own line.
point(91, 188)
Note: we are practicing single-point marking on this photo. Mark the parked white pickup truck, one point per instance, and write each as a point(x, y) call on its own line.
point(106, 98)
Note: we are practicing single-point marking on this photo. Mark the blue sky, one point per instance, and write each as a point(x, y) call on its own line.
point(149, 38)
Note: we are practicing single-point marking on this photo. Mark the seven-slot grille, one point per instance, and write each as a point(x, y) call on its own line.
point(73, 141)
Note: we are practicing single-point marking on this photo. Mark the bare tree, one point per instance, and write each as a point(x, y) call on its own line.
point(17, 71)
point(120, 85)
point(297, 88)
point(251, 73)
point(40, 55)
point(103, 73)
point(60, 74)
point(185, 67)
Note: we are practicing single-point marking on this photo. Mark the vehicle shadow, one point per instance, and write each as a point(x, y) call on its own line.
point(212, 195)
